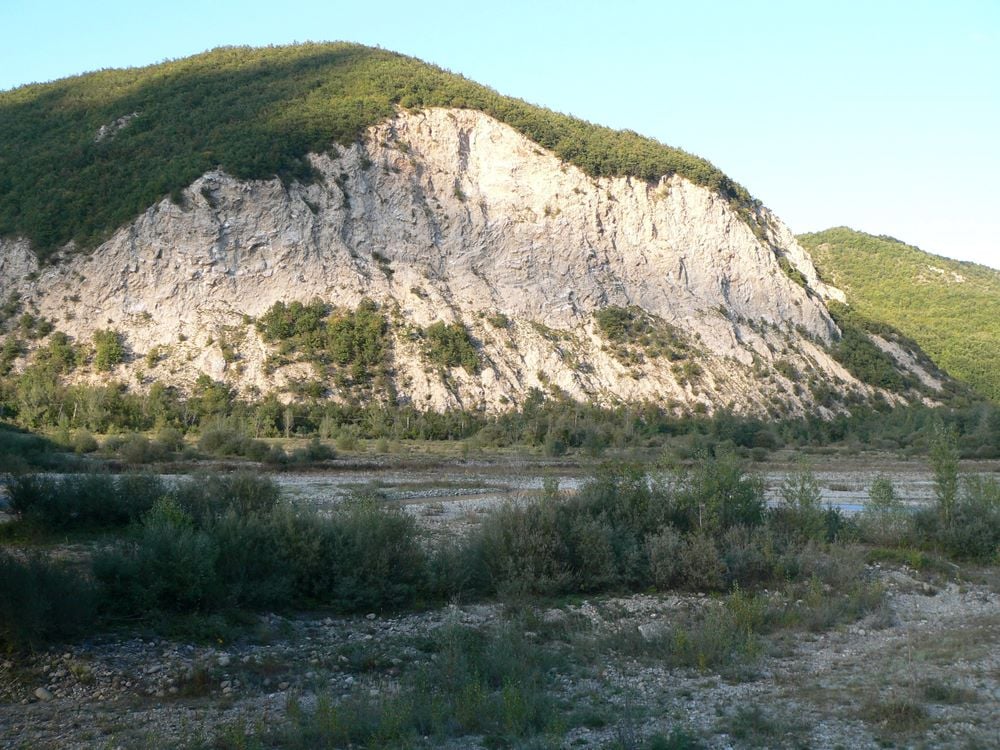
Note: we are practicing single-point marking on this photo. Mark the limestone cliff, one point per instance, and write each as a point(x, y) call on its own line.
point(450, 215)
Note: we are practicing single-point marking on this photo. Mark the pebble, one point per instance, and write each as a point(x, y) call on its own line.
point(223, 660)
point(43, 695)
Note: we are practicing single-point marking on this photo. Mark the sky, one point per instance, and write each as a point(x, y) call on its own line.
point(881, 115)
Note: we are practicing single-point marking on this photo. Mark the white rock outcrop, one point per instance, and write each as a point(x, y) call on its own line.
point(450, 215)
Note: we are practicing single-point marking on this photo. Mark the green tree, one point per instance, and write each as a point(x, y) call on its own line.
point(108, 349)
point(944, 464)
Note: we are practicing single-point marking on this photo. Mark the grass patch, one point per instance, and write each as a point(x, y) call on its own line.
point(896, 715)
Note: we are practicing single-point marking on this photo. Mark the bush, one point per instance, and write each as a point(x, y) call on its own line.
point(665, 551)
point(241, 550)
point(449, 345)
point(222, 440)
point(21, 451)
point(523, 549)
point(171, 439)
point(77, 501)
point(701, 568)
point(719, 493)
point(378, 561)
point(884, 520)
point(748, 555)
point(801, 512)
point(974, 531)
point(313, 452)
point(41, 602)
point(205, 497)
point(83, 442)
point(169, 568)
point(253, 563)
point(108, 349)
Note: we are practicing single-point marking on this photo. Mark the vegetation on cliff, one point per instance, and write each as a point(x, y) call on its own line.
point(82, 156)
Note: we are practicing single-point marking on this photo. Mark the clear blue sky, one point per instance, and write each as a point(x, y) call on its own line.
point(883, 115)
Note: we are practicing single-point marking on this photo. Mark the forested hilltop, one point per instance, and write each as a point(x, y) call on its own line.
point(82, 156)
point(950, 308)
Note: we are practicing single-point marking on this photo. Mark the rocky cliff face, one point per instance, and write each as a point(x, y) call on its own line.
point(449, 215)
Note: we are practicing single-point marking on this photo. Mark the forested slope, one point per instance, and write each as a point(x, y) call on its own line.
point(950, 308)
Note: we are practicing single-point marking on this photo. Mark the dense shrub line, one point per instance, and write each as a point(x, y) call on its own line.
point(221, 543)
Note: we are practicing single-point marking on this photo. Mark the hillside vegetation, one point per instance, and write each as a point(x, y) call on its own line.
point(950, 308)
point(82, 156)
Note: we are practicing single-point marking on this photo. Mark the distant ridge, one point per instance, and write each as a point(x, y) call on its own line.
point(950, 308)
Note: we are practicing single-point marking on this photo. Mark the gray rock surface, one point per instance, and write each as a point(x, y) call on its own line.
point(450, 215)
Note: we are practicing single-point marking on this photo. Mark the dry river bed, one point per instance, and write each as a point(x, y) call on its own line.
point(937, 644)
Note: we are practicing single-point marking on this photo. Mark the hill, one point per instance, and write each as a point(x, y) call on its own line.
point(335, 224)
point(950, 308)
point(80, 157)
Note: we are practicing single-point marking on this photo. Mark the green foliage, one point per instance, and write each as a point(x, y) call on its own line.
point(950, 308)
point(718, 493)
point(498, 320)
point(40, 602)
point(108, 349)
point(225, 541)
point(450, 345)
point(299, 324)
point(21, 451)
point(213, 495)
point(75, 501)
point(801, 505)
point(792, 272)
point(170, 567)
point(357, 340)
point(974, 531)
point(493, 682)
point(856, 351)
point(61, 356)
point(634, 327)
point(883, 520)
point(944, 463)
point(255, 113)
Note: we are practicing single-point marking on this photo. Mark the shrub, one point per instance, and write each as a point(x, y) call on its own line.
point(884, 520)
point(83, 442)
point(665, 550)
point(523, 549)
point(450, 345)
point(802, 514)
point(41, 602)
point(379, 561)
point(21, 451)
point(718, 493)
point(748, 555)
point(222, 440)
point(974, 532)
point(701, 568)
point(78, 501)
point(210, 496)
point(171, 439)
point(108, 349)
point(253, 564)
point(313, 452)
point(170, 567)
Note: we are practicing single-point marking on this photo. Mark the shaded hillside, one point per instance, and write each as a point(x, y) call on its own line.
point(950, 308)
point(83, 156)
